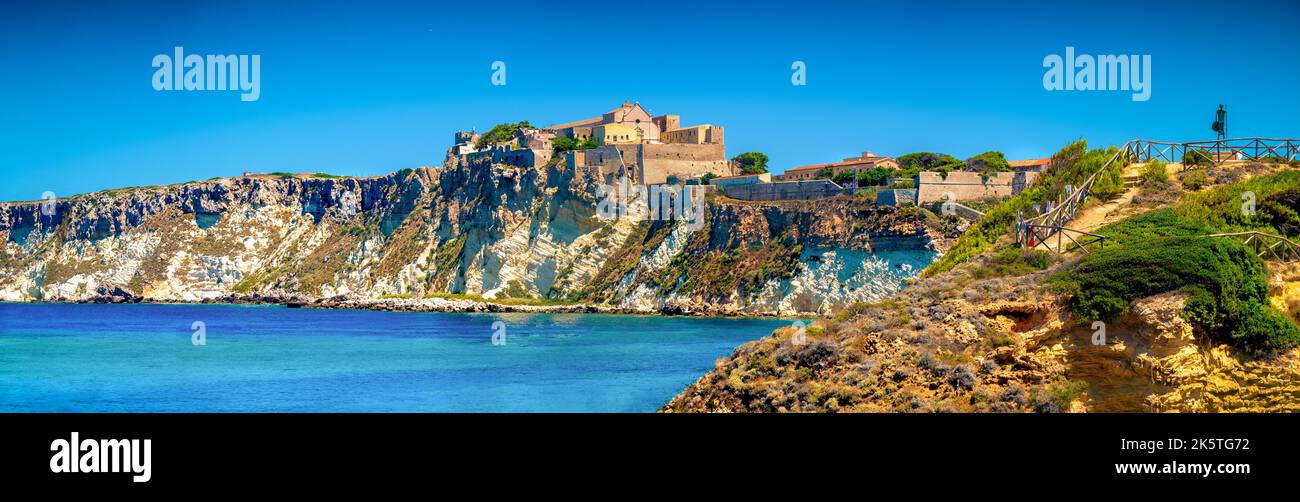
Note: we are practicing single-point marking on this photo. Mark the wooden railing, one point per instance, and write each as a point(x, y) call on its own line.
point(1040, 234)
point(1061, 211)
point(1268, 246)
point(1216, 151)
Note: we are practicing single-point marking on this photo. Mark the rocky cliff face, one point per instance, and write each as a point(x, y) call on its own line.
point(490, 230)
point(970, 340)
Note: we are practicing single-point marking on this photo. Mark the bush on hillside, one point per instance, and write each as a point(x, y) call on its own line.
point(1282, 211)
point(1194, 180)
point(1158, 224)
point(1009, 260)
point(1193, 157)
point(1224, 208)
point(1227, 284)
point(1155, 171)
point(1155, 186)
point(1110, 181)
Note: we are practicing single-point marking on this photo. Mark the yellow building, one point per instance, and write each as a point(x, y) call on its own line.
point(699, 135)
point(607, 134)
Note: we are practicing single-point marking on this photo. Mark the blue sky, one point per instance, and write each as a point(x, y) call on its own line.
point(366, 89)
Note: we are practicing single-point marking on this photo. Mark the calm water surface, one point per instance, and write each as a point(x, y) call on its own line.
point(71, 357)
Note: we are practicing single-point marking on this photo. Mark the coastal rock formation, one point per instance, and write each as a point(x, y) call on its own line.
point(1004, 331)
point(470, 230)
point(959, 342)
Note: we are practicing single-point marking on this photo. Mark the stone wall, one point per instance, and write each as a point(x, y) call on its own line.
point(742, 180)
point(896, 197)
point(963, 185)
point(659, 162)
point(695, 134)
point(521, 157)
point(786, 190)
point(650, 164)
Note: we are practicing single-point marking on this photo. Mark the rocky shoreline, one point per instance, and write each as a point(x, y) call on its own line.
point(433, 304)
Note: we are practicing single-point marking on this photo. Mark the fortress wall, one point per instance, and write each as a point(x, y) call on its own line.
point(650, 164)
point(658, 162)
point(963, 185)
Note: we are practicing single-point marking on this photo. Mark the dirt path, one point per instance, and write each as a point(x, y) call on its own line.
point(1094, 215)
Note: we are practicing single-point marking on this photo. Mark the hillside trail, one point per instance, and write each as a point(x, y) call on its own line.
point(1096, 215)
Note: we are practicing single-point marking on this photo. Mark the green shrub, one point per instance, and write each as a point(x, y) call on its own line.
point(1226, 283)
point(911, 164)
point(1193, 157)
point(865, 193)
point(1161, 223)
point(1058, 397)
point(1221, 207)
point(1155, 171)
point(565, 143)
point(1282, 211)
point(1009, 260)
point(500, 133)
point(873, 177)
point(1110, 182)
point(988, 162)
point(1194, 180)
point(751, 162)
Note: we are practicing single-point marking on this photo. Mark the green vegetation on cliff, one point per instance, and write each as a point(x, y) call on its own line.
point(565, 143)
point(1169, 250)
point(751, 162)
point(911, 164)
point(500, 133)
point(646, 236)
point(717, 274)
point(1276, 200)
point(1070, 166)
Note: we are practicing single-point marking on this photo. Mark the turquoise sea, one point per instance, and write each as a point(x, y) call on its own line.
point(141, 358)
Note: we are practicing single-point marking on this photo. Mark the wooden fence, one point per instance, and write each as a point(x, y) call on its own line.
point(1029, 232)
point(1268, 246)
point(1216, 151)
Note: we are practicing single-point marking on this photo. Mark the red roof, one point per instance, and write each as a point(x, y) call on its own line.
point(864, 160)
point(1030, 162)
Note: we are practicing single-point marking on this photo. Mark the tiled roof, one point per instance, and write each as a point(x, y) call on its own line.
point(1030, 163)
point(566, 125)
point(865, 160)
